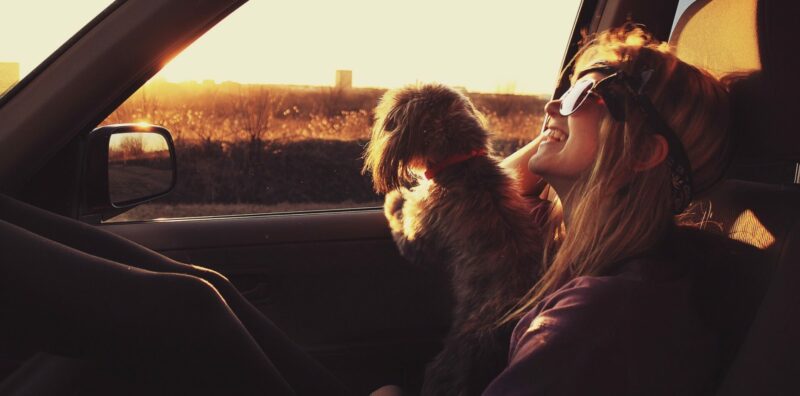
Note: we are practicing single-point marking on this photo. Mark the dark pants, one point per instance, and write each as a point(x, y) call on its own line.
point(118, 313)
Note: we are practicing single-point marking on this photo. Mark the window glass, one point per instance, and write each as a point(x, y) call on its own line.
point(270, 110)
point(31, 30)
point(682, 6)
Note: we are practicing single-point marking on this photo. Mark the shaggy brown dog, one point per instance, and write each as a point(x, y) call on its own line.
point(466, 214)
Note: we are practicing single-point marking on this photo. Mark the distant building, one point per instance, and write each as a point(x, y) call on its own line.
point(344, 79)
point(9, 75)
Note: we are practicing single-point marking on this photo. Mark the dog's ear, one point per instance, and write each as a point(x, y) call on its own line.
point(390, 151)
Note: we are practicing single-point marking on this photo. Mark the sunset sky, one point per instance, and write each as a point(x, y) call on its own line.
point(503, 45)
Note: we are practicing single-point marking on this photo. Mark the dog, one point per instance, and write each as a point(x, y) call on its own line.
point(465, 213)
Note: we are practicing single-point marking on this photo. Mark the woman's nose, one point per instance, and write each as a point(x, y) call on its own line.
point(551, 108)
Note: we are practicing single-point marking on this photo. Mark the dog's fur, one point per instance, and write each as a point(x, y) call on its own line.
point(470, 217)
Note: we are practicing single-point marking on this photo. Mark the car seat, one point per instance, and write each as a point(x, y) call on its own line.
point(758, 202)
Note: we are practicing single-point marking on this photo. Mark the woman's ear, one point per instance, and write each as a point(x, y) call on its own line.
point(658, 150)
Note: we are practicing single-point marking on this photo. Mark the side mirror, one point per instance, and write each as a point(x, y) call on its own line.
point(126, 165)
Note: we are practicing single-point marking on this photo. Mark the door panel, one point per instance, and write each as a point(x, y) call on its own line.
point(332, 280)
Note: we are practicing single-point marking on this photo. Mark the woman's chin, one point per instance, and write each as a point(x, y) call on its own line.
point(552, 171)
point(539, 163)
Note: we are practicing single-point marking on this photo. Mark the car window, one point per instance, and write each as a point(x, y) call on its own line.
point(682, 6)
point(30, 34)
point(270, 109)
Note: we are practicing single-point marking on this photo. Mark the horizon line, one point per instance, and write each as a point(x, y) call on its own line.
point(160, 79)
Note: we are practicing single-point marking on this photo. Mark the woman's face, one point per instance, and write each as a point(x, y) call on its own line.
point(569, 146)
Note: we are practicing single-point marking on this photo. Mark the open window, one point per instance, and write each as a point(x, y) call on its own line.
point(270, 109)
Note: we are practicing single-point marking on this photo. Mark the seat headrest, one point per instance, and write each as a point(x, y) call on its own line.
point(719, 36)
point(749, 43)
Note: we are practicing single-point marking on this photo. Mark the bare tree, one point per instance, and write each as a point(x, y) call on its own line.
point(255, 109)
point(142, 105)
point(130, 147)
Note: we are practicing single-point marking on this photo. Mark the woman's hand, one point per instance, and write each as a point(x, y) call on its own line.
point(517, 163)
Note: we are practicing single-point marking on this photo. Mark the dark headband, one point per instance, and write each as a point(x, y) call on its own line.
point(633, 85)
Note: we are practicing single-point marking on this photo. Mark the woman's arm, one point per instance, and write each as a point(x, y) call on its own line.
point(529, 183)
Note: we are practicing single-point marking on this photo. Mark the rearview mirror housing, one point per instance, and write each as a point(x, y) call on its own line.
point(125, 165)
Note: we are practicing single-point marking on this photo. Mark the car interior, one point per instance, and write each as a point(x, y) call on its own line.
point(334, 281)
point(757, 201)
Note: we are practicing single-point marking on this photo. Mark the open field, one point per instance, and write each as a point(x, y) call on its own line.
point(230, 111)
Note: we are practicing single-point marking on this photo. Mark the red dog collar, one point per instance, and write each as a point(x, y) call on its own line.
point(431, 172)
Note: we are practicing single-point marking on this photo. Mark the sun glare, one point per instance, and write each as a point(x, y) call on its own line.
point(748, 229)
point(501, 47)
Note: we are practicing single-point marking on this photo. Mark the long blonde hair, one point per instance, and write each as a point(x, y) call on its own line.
point(620, 212)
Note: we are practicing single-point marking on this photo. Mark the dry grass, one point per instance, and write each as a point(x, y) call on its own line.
point(229, 112)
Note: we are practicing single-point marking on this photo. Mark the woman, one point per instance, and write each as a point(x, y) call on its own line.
point(625, 148)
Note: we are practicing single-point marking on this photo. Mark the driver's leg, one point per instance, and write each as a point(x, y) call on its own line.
point(296, 366)
point(159, 328)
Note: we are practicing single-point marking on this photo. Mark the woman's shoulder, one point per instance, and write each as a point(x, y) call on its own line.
point(621, 333)
point(664, 292)
point(631, 291)
point(582, 303)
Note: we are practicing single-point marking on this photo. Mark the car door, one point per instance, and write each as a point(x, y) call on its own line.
point(332, 280)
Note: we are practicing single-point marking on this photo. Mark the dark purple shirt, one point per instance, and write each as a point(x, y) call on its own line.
point(634, 333)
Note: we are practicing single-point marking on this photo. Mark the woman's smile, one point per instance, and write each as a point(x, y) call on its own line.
point(553, 135)
point(569, 143)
